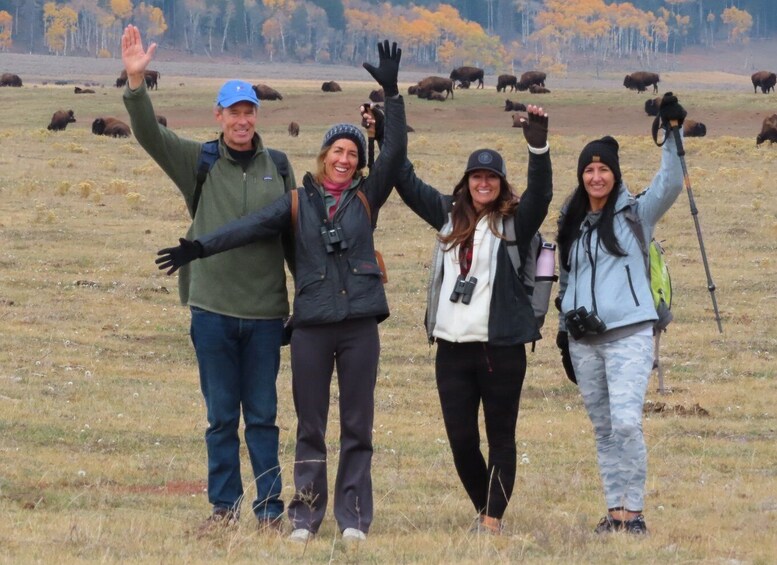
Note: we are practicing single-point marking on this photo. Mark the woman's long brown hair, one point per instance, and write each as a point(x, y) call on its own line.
point(465, 218)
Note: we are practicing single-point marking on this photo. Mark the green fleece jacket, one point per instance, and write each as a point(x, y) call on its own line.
point(248, 282)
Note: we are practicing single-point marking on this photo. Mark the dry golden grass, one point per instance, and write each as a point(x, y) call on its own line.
point(102, 419)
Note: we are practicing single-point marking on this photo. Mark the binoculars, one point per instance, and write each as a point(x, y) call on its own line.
point(581, 322)
point(463, 289)
point(333, 238)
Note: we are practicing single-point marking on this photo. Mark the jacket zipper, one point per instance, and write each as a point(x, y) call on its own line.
point(245, 194)
point(631, 286)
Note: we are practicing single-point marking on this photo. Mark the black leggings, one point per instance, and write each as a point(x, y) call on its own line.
point(468, 374)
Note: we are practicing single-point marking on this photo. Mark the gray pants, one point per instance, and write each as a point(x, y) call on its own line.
point(613, 378)
point(353, 346)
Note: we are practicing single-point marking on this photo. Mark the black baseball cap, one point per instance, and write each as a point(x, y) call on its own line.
point(486, 159)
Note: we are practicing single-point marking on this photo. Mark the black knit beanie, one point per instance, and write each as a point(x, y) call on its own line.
point(353, 133)
point(604, 150)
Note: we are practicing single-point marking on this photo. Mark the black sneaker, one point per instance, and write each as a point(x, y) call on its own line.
point(608, 524)
point(636, 525)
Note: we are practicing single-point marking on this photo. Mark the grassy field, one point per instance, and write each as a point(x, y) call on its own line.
point(101, 417)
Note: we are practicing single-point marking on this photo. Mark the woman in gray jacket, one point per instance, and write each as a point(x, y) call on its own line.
point(607, 310)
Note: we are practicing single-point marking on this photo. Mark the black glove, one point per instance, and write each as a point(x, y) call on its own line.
point(388, 67)
point(176, 257)
point(535, 130)
point(562, 342)
point(374, 127)
point(671, 111)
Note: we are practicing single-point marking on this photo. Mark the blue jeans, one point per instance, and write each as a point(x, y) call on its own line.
point(239, 360)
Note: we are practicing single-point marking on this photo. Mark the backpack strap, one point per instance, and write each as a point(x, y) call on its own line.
point(378, 255)
point(363, 197)
point(294, 209)
point(634, 222)
point(209, 154)
point(281, 162)
point(512, 244)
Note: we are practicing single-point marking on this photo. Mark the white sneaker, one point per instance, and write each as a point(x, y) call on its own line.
point(352, 534)
point(301, 535)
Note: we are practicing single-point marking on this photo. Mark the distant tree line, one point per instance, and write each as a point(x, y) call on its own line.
point(487, 33)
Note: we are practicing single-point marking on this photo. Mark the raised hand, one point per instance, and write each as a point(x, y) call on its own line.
point(535, 128)
point(134, 57)
point(173, 258)
point(670, 111)
point(388, 67)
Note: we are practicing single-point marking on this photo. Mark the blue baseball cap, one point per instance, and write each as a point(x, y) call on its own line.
point(235, 91)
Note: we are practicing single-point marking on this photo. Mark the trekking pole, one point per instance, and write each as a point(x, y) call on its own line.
point(695, 213)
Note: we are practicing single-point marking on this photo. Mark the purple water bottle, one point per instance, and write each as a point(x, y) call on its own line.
point(546, 261)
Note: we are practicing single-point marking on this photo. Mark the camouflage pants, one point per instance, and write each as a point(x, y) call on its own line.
point(613, 378)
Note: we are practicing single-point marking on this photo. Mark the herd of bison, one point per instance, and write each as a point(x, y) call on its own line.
point(430, 88)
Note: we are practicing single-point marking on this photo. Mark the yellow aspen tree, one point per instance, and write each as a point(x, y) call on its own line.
point(417, 37)
point(108, 35)
point(58, 24)
point(740, 22)
point(710, 28)
point(271, 31)
point(150, 20)
point(6, 26)
point(286, 6)
point(122, 9)
point(446, 52)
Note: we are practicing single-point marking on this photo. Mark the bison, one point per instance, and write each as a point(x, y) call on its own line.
point(331, 86)
point(293, 129)
point(640, 80)
point(765, 80)
point(503, 81)
point(151, 78)
point(10, 79)
point(768, 131)
point(377, 95)
point(161, 120)
point(110, 127)
point(264, 92)
point(652, 105)
point(537, 89)
point(511, 106)
point(463, 84)
point(529, 78)
point(432, 95)
point(61, 119)
point(692, 128)
point(471, 74)
point(432, 84)
point(78, 90)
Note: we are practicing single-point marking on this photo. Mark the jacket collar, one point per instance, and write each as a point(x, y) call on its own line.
point(256, 141)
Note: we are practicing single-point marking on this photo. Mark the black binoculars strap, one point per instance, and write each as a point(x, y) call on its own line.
point(593, 276)
point(586, 241)
point(318, 202)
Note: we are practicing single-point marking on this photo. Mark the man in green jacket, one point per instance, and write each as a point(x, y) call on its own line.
point(238, 299)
